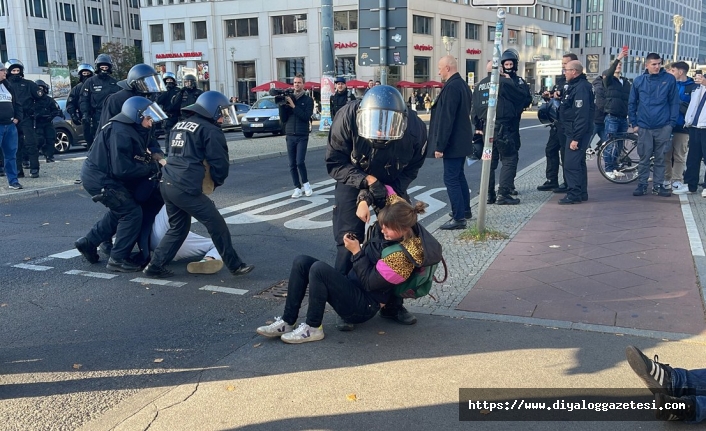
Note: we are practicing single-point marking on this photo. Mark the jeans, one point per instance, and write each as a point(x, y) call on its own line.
point(296, 150)
point(697, 152)
point(613, 126)
point(457, 186)
point(651, 144)
point(691, 383)
point(675, 158)
point(575, 169)
point(8, 143)
point(326, 284)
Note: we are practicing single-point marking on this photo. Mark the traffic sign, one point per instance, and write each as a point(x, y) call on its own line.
point(503, 3)
point(369, 44)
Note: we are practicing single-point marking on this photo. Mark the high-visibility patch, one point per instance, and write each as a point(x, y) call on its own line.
point(578, 103)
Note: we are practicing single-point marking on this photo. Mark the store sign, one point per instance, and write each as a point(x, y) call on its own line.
point(473, 51)
point(423, 47)
point(342, 45)
point(196, 55)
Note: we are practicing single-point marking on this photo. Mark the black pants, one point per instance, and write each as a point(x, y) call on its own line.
point(551, 152)
point(91, 129)
point(46, 137)
point(180, 208)
point(505, 147)
point(697, 153)
point(124, 220)
point(344, 221)
point(27, 145)
point(561, 139)
point(575, 168)
point(326, 284)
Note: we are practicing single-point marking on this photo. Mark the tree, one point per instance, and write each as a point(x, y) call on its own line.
point(124, 57)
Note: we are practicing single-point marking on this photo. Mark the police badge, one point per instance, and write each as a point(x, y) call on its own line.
point(578, 103)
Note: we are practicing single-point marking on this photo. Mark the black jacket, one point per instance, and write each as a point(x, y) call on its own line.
point(27, 93)
point(616, 94)
point(350, 158)
point(73, 102)
point(450, 129)
point(45, 109)
point(512, 99)
point(577, 109)
point(184, 98)
point(297, 120)
point(95, 91)
point(166, 101)
point(13, 109)
point(599, 93)
point(192, 141)
point(338, 100)
point(116, 159)
point(113, 104)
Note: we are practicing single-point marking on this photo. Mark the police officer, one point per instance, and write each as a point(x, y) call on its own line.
point(142, 80)
point(45, 109)
point(73, 102)
point(27, 93)
point(165, 101)
point(548, 114)
point(375, 142)
point(115, 168)
point(342, 96)
point(192, 141)
point(576, 117)
point(187, 95)
point(94, 92)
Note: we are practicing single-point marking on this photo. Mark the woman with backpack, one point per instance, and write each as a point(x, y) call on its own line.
point(397, 249)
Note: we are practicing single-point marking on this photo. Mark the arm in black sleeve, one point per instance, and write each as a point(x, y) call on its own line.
point(217, 155)
point(19, 112)
point(124, 166)
point(608, 80)
point(85, 99)
point(284, 113)
point(599, 93)
point(583, 122)
point(410, 172)
point(340, 146)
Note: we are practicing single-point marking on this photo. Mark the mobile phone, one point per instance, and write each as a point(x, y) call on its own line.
point(625, 48)
point(698, 72)
point(351, 235)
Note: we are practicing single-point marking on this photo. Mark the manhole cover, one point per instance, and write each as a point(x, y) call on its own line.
point(276, 291)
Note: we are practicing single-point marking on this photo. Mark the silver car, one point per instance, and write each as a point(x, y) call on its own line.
point(263, 117)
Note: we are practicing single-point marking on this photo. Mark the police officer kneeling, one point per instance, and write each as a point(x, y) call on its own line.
point(115, 167)
point(197, 139)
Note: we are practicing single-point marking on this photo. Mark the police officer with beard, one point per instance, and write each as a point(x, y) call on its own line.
point(165, 101)
point(187, 95)
point(45, 109)
point(375, 142)
point(195, 145)
point(27, 93)
point(94, 93)
point(116, 167)
point(142, 80)
point(73, 102)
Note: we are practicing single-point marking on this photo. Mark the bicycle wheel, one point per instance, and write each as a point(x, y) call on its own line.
point(620, 154)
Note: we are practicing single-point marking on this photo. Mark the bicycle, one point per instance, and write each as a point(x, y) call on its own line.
point(622, 150)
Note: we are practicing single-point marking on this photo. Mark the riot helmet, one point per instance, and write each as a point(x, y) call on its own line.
point(85, 71)
point(212, 105)
point(189, 81)
point(144, 79)
point(510, 55)
point(169, 79)
point(382, 115)
point(42, 85)
point(136, 108)
point(548, 113)
point(14, 63)
point(104, 60)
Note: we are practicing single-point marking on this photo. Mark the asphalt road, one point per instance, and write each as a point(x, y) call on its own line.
point(76, 339)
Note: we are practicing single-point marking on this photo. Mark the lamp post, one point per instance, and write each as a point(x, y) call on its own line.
point(232, 68)
point(448, 43)
point(678, 22)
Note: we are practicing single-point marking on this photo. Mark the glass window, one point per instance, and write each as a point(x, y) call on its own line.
point(116, 19)
point(512, 36)
point(559, 43)
point(600, 22)
point(449, 28)
point(178, 31)
point(491, 33)
point(94, 16)
point(70, 40)
point(345, 66)
point(97, 44)
point(200, 31)
point(156, 33)
point(3, 46)
point(40, 39)
point(472, 31)
point(345, 20)
point(545, 41)
point(421, 24)
point(289, 24)
point(529, 39)
point(135, 21)
point(38, 9)
point(577, 23)
point(421, 69)
point(288, 68)
point(577, 6)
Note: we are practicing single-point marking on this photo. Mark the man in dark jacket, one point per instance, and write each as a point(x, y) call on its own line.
point(675, 158)
point(165, 101)
point(45, 109)
point(653, 110)
point(197, 139)
point(599, 115)
point(187, 95)
point(10, 115)
point(27, 93)
point(73, 102)
point(142, 80)
point(94, 93)
point(576, 116)
point(617, 94)
point(342, 96)
point(295, 114)
point(449, 132)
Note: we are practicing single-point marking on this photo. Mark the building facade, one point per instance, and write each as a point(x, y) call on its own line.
point(233, 46)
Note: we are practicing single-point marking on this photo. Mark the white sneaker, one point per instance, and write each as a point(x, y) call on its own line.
point(681, 189)
point(677, 184)
point(276, 329)
point(618, 174)
point(610, 175)
point(307, 189)
point(703, 193)
point(303, 334)
point(297, 193)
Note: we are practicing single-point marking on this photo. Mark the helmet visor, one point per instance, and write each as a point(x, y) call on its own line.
point(230, 117)
point(150, 84)
point(155, 112)
point(380, 124)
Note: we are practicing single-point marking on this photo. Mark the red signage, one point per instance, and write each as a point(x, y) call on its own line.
point(341, 45)
point(473, 51)
point(423, 47)
point(179, 55)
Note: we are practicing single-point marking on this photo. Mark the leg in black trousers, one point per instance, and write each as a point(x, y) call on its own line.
point(344, 221)
point(697, 151)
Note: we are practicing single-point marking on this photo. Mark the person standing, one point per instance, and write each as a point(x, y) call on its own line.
point(340, 97)
point(45, 109)
point(10, 115)
point(617, 95)
point(576, 116)
point(27, 93)
point(653, 109)
point(449, 132)
point(695, 123)
point(675, 158)
point(197, 139)
point(94, 93)
point(599, 114)
point(73, 102)
point(165, 101)
point(142, 80)
point(296, 114)
point(187, 95)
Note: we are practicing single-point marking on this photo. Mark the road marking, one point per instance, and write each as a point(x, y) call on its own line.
point(42, 260)
point(33, 267)
point(224, 290)
point(68, 254)
point(91, 274)
point(692, 231)
point(157, 281)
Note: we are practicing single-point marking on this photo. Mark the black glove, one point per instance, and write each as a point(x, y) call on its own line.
point(75, 119)
point(478, 143)
point(86, 120)
point(379, 193)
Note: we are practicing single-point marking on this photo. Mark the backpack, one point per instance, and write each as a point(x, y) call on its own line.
point(419, 282)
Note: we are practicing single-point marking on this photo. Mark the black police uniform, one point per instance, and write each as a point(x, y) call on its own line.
point(555, 149)
point(73, 102)
point(184, 98)
point(27, 93)
point(45, 109)
point(114, 169)
point(576, 117)
point(350, 158)
point(190, 143)
point(94, 93)
point(171, 109)
point(339, 100)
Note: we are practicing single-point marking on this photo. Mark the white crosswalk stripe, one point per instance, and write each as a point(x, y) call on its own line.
point(157, 281)
point(91, 274)
point(33, 267)
point(222, 289)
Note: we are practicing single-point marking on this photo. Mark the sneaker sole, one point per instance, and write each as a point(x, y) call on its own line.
point(210, 266)
point(638, 366)
point(303, 340)
point(270, 335)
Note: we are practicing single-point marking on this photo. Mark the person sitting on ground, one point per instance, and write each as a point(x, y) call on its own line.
point(680, 395)
point(358, 296)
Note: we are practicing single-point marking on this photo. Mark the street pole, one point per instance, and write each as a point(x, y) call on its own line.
point(383, 42)
point(327, 63)
point(490, 121)
point(678, 22)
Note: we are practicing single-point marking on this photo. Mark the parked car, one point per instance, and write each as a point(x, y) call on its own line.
point(263, 117)
point(240, 109)
point(68, 134)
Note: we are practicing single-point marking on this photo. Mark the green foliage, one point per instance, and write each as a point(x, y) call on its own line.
point(124, 57)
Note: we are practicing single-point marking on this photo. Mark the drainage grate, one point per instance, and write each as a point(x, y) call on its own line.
point(276, 291)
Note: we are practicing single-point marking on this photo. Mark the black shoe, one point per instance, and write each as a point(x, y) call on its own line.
point(584, 198)
point(34, 175)
point(685, 411)
point(514, 192)
point(244, 269)
point(106, 247)
point(453, 224)
point(342, 325)
point(547, 186)
point(20, 174)
point(25, 165)
point(400, 315)
point(157, 271)
point(466, 214)
point(507, 200)
point(563, 188)
point(2, 172)
point(568, 201)
point(50, 160)
point(641, 190)
point(87, 249)
point(491, 199)
point(662, 191)
point(657, 376)
point(122, 265)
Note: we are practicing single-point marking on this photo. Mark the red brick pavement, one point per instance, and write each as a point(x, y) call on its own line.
point(615, 260)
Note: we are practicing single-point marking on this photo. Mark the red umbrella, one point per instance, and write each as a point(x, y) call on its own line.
point(354, 83)
point(407, 84)
point(310, 85)
point(266, 86)
point(432, 84)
